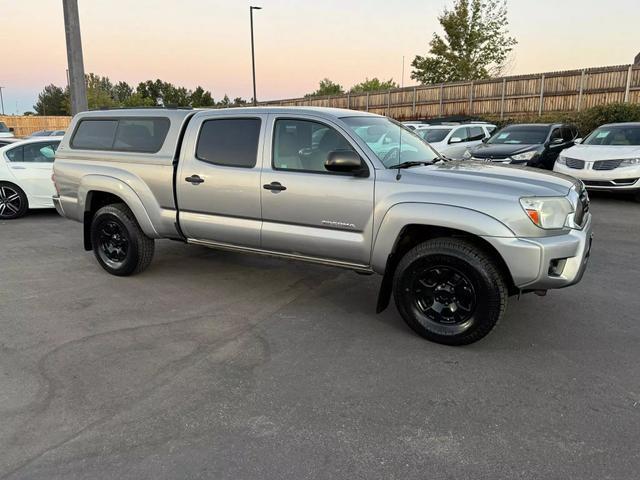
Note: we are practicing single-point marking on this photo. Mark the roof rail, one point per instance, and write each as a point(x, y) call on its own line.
point(157, 107)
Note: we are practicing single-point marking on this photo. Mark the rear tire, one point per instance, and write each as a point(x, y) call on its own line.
point(13, 201)
point(449, 291)
point(119, 244)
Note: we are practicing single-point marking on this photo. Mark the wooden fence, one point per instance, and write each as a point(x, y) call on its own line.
point(25, 125)
point(506, 97)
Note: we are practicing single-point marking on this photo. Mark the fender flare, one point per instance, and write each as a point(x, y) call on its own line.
point(401, 215)
point(115, 186)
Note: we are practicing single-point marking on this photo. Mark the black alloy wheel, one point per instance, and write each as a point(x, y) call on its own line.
point(113, 242)
point(444, 295)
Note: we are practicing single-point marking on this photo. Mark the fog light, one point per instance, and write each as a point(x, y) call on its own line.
point(556, 266)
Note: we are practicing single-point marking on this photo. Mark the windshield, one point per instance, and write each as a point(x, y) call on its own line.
point(392, 142)
point(618, 135)
point(434, 135)
point(3, 128)
point(520, 135)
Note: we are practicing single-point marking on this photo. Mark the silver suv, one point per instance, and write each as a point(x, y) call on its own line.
point(337, 187)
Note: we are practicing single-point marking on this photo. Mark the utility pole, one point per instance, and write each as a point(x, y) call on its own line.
point(1, 100)
point(253, 55)
point(77, 86)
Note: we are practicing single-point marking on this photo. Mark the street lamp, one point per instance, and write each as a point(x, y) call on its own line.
point(253, 55)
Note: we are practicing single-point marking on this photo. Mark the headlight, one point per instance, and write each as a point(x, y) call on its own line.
point(547, 212)
point(562, 160)
point(466, 155)
point(524, 156)
point(630, 162)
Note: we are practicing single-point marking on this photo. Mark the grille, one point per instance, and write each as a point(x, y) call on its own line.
point(606, 164)
point(575, 163)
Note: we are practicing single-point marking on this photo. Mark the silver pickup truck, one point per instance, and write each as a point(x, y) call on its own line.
point(337, 187)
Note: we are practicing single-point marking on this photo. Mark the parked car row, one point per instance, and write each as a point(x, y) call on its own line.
point(607, 159)
point(25, 176)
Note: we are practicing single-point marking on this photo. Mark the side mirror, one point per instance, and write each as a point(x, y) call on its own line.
point(455, 140)
point(485, 139)
point(11, 129)
point(556, 141)
point(345, 161)
point(578, 140)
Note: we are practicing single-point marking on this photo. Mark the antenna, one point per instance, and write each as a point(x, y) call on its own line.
point(398, 175)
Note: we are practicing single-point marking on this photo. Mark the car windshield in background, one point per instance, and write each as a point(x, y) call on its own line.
point(434, 135)
point(615, 135)
point(4, 128)
point(520, 135)
point(392, 142)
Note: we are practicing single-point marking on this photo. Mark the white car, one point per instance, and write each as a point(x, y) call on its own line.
point(25, 176)
point(608, 159)
point(452, 141)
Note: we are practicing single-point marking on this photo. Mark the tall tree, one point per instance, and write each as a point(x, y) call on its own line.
point(99, 92)
point(373, 85)
point(201, 98)
point(327, 87)
point(225, 102)
point(52, 101)
point(121, 92)
point(476, 44)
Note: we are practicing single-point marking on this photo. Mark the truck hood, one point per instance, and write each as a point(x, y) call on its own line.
point(491, 179)
point(592, 153)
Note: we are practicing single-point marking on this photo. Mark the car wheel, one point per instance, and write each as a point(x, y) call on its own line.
point(119, 244)
point(13, 201)
point(449, 291)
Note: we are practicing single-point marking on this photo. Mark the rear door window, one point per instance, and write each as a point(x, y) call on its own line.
point(231, 142)
point(41, 152)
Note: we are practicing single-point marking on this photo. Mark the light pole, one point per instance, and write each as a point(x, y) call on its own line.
point(1, 100)
point(77, 85)
point(253, 55)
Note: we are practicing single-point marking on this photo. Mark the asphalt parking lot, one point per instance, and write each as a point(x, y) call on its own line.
point(219, 365)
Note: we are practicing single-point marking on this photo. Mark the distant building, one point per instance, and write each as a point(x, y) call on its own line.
point(636, 61)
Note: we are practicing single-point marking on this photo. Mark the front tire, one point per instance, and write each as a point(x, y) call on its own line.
point(13, 201)
point(119, 244)
point(449, 291)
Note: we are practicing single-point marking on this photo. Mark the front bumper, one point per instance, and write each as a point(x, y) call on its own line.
point(624, 178)
point(547, 262)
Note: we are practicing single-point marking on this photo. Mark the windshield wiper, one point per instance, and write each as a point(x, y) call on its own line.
point(410, 164)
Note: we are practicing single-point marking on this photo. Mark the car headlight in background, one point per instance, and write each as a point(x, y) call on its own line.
point(562, 160)
point(520, 157)
point(630, 162)
point(547, 212)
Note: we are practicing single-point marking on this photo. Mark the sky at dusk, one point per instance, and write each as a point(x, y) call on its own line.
point(206, 42)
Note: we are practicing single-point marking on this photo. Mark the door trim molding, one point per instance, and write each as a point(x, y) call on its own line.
point(290, 256)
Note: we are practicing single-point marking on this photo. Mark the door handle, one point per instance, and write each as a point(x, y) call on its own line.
point(18, 168)
point(194, 180)
point(274, 187)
